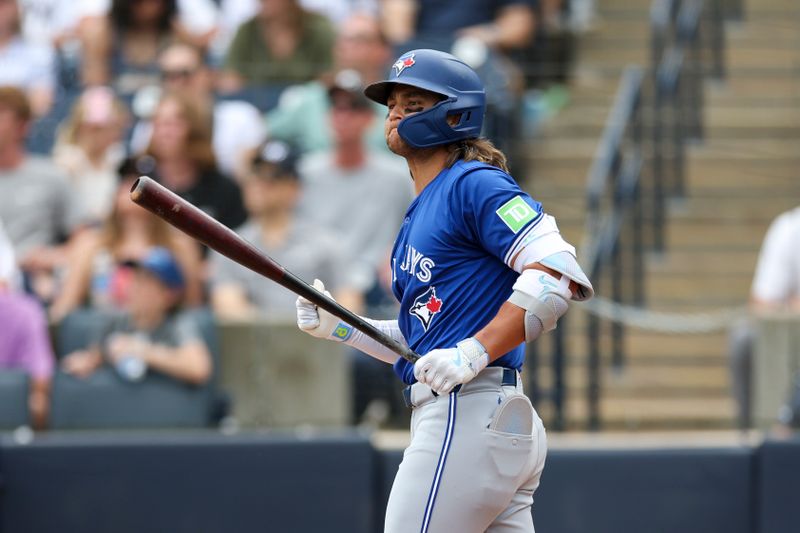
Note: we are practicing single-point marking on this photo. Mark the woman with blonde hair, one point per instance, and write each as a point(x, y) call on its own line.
point(99, 274)
point(89, 149)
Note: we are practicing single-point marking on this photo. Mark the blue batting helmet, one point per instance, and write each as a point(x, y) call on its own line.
point(443, 74)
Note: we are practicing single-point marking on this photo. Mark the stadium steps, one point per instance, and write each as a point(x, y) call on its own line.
point(738, 179)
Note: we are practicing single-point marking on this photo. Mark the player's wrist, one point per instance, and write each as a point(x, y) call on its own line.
point(474, 353)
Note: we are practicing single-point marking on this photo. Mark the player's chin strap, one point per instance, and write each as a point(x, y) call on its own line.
point(544, 298)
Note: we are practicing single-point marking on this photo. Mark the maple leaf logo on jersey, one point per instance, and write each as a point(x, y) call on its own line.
point(403, 63)
point(426, 306)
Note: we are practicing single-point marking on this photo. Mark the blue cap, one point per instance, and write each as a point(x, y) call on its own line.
point(161, 263)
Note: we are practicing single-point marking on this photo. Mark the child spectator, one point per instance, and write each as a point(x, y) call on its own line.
point(98, 274)
point(283, 44)
point(271, 191)
point(89, 150)
point(152, 333)
point(181, 147)
point(24, 341)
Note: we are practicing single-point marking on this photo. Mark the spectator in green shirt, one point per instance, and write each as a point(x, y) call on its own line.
point(361, 55)
point(282, 44)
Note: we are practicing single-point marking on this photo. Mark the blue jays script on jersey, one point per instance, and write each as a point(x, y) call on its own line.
point(448, 286)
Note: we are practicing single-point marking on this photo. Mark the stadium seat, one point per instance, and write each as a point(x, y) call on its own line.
point(75, 330)
point(105, 400)
point(14, 388)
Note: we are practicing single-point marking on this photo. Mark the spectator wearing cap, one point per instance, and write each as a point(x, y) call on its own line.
point(238, 127)
point(361, 55)
point(271, 191)
point(26, 65)
point(89, 150)
point(24, 340)
point(282, 44)
point(367, 222)
point(98, 276)
point(35, 202)
point(151, 333)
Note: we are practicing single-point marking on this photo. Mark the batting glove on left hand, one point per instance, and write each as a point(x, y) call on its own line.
point(442, 370)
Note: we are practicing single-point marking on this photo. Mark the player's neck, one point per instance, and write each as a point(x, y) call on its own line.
point(425, 165)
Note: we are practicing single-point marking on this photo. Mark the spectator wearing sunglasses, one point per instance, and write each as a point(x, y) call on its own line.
point(237, 126)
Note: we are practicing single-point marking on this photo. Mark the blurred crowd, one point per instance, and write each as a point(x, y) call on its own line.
point(250, 109)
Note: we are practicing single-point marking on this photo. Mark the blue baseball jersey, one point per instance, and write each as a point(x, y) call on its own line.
point(450, 260)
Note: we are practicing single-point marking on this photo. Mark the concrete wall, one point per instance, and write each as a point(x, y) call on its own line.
point(279, 376)
point(776, 361)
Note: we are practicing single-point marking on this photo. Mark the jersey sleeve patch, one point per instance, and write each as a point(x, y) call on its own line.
point(516, 213)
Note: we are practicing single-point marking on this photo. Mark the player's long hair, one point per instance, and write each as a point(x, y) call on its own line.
point(477, 150)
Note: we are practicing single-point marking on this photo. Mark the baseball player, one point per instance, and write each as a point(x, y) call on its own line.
point(479, 269)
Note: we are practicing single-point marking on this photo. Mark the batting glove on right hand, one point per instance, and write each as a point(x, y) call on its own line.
point(318, 322)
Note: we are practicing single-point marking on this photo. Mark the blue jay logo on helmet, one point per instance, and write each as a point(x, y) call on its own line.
point(404, 62)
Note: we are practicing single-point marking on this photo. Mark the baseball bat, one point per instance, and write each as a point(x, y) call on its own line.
point(197, 224)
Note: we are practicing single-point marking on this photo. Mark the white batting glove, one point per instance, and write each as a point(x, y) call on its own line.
point(442, 370)
point(318, 322)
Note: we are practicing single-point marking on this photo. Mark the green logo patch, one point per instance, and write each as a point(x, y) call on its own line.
point(515, 213)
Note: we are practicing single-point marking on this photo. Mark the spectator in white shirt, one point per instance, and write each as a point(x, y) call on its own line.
point(24, 64)
point(776, 286)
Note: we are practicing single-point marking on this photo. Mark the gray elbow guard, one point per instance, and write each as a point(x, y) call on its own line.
point(544, 298)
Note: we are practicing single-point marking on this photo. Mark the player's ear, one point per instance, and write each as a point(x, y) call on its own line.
point(453, 120)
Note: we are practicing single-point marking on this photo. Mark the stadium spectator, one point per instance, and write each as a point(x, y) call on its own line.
point(152, 333)
point(500, 24)
point(271, 191)
point(301, 117)
point(282, 44)
point(122, 47)
point(89, 150)
point(776, 287)
point(365, 223)
point(25, 65)
point(98, 275)
point(35, 202)
point(181, 147)
point(24, 341)
point(49, 22)
point(238, 126)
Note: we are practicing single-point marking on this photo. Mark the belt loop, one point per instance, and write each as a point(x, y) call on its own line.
point(509, 377)
point(407, 397)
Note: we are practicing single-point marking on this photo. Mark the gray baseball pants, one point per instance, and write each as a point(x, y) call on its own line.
point(474, 461)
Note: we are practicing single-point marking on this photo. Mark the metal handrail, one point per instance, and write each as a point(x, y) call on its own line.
point(623, 183)
point(615, 172)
